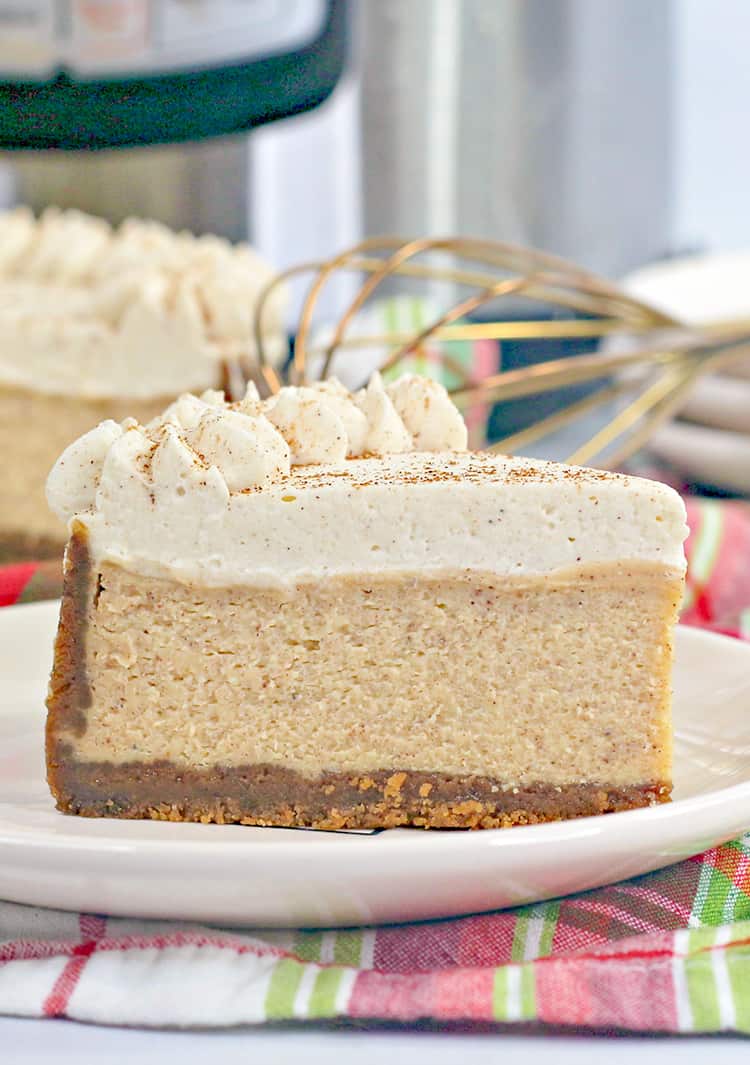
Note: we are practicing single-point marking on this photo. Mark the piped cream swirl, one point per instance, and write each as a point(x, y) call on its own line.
point(253, 444)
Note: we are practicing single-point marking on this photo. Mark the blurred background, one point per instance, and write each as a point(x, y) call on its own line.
point(610, 132)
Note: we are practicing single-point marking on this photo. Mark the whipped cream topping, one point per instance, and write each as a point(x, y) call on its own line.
point(252, 444)
point(138, 310)
point(319, 482)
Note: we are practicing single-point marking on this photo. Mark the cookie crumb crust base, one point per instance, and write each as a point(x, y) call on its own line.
point(274, 796)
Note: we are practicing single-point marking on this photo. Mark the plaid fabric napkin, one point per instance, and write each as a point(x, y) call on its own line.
point(667, 952)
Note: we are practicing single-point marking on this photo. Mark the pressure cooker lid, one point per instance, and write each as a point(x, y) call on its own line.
point(98, 74)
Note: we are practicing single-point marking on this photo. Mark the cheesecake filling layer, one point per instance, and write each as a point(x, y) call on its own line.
point(562, 680)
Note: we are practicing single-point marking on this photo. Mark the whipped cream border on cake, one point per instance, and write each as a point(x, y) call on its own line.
point(136, 311)
point(319, 482)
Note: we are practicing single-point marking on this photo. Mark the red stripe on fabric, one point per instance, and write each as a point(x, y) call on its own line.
point(561, 998)
point(621, 952)
point(13, 580)
point(418, 948)
point(730, 578)
point(487, 940)
point(190, 939)
point(702, 608)
point(632, 996)
point(624, 954)
point(56, 1002)
point(394, 997)
point(464, 995)
point(464, 942)
point(741, 875)
point(667, 903)
point(92, 926)
point(456, 994)
point(25, 950)
point(610, 910)
point(92, 930)
point(620, 993)
point(486, 358)
point(647, 945)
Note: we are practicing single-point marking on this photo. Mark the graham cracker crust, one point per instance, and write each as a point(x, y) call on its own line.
point(69, 693)
point(274, 796)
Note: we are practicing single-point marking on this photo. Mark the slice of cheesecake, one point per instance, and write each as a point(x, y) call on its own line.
point(103, 323)
point(321, 611)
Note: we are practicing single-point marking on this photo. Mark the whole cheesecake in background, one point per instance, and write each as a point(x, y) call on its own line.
point(102, 323)
point(321, 611)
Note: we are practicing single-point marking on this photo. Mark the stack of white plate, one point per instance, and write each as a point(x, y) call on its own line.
point(710, 441)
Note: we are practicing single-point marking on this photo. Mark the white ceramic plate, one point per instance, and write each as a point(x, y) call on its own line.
point(261, 876)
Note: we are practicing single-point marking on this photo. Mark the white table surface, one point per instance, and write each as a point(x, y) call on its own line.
point(35, 1042)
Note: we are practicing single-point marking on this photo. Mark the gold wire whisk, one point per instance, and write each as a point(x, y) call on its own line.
point(578, 305)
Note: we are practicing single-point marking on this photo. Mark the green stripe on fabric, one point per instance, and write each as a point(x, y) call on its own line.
point(545, 914)
point(551, 915)
point(323, 997)
point(738, 966)
point(701, 895)
point(704, 1001)
point(700, 939)
point(523, 996)
point(282, 989)
point(519, 934)
point(528, 992)
point(707, 544)
point(745, 624)
point(701, 982)
point(732, 903)
point(706, 550)
point(737, 901)
point(307, 946)
point(463, 350)
point(347, 949)
point(500, 994)
point(462, 354)
point(741, 905)
point(719, 892)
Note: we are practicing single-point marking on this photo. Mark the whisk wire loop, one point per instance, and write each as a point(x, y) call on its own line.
point(660, 369)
